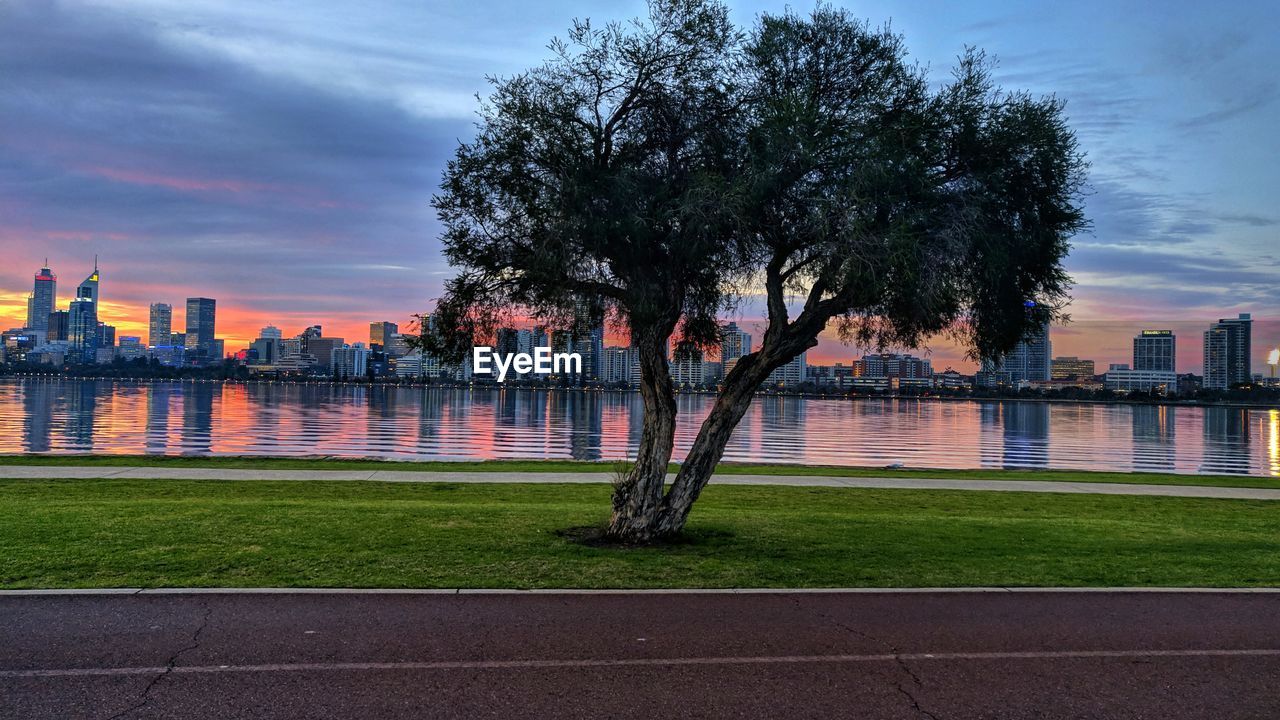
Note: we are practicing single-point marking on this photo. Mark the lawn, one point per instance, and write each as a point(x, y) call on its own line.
point(163, 533)
point(284, 463)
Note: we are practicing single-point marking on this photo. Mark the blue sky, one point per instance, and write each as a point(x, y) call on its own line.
point(280, 156)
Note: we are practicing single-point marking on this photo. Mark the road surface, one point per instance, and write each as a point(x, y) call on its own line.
point(642, 655)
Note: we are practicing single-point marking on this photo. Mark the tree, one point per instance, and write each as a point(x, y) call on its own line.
point(658, 173)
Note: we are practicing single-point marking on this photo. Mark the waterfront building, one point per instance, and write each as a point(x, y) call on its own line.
point(43, 299)
point(793, 373)
point(170, 355)
point(106, 335)
point(893, 365)
point(1155, 351)
point(397, 345)
point(59, 324)
point(687, 367)
point(1027, 362)
point(15, 344)
point(1071, 368)
point(349, 361)
point(201, 321)
point(1227, 345)
point(1125, 379)
point(160, 324)
point(380, 332)
point(621, 365)
point(734, 343)
point(82, 319)
point(131, 348)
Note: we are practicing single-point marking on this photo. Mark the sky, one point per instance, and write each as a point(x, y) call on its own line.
point(281, 156)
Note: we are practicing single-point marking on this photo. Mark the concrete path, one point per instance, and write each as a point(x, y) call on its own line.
point(915, 483)
point(759, 655)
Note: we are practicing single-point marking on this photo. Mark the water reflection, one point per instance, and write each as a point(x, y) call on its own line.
point(447, 423)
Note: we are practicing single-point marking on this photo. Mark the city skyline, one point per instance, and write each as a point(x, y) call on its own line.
point(301, 196)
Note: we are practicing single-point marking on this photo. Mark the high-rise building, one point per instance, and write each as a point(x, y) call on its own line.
point(793, 373)
point(380, 332)
point(687, 366)
point(160, 328)
point(1155, 351)
point(82, 319)
point(621, 365)
point(734, 343)
point(1227, 345)
point(349, 361)
point(1029, 361)
point(43, 298)
point(1071, 368)
point(201, 319)
point(271, 332)
point(58, 326)
point(131, 347)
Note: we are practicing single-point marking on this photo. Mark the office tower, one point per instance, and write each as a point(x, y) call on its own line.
point(201, 314)
point(1155, 351)
point(1227, 344)
point(178, 339)
point(322, 349)
point(622, 365)
point(1071, 368)
point(397, 345)
point(58, 327)
point(1028, 361)
point(160, 328)
point(380, 332)
point(793, 373)
point(43, 299)
point(106, 335)
point(82, 319)
point(734, 343)
point(271, 332)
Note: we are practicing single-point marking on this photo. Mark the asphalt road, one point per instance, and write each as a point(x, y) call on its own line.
point(778, 655)
point(479, 476)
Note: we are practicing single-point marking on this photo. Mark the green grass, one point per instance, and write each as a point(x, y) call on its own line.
point(274, 463)
point(152, 533)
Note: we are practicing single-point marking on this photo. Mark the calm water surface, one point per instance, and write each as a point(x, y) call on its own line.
point(55, 416)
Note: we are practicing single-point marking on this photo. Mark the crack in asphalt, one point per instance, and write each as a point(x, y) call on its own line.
point(893, 650)
point(168, 666)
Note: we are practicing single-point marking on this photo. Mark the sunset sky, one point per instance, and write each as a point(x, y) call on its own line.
point(281, 156)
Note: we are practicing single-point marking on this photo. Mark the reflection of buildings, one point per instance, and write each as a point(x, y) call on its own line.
point(159, 401)
point(197, 417)
point(37, 422)
point(1014, 434)
point(1226, 440)
point(1154, 438)
point(82, 406)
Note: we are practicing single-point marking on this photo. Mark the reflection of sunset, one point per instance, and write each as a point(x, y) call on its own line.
point(419, 423)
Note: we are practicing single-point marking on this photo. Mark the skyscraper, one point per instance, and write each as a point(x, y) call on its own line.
point(380, 332)
point(82, 319)
point(161, 326)
point(734, 343)
point(43, 299)
point(1155, 351)
point(1227, 345)
point(59, 326)
point(1029, 361)
point(200, 327)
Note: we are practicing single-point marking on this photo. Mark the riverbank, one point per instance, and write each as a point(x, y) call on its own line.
point(1268, 404)
point(576, 466)
point(191, 533)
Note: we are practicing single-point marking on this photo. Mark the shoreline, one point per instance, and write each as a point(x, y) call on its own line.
point(629, 391)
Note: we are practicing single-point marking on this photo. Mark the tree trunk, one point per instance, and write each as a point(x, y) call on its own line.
point(637, 500)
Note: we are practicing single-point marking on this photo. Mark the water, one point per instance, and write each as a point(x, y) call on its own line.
point(56, 416)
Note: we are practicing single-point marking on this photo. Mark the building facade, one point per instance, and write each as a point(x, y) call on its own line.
point(1071, 368)
point(201, 324)
point(160, 326)
point(1227, 346)
point(43, 299)
point(1155, 351)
